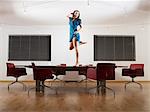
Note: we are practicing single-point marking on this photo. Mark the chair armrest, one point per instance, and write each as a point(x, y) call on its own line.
point(129, 72)
point(91, 73)
point(21, 71)
point(126, 72)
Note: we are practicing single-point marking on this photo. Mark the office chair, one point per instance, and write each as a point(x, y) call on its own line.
point(40, 75)
point(61, 73)
point(91, 73)
point(15, 72)
point(104, 71)
point(135, 70)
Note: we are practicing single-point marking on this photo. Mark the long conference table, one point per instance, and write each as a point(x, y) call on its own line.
point(57, 70)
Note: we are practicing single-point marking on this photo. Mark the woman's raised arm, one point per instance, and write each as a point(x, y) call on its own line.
point(69, 15)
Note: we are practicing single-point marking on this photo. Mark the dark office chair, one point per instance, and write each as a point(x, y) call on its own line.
point(60, 74)
point(135, 70)
point(15, 72)
point(40, 75)
point(104, 71)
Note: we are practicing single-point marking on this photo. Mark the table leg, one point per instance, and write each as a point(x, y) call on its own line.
point(37, 85)
point(103, 86)
point(42, 87)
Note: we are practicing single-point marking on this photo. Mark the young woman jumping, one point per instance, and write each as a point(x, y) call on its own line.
point(75, 27)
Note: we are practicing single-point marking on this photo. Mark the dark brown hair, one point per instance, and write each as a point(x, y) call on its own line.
point(74, 12)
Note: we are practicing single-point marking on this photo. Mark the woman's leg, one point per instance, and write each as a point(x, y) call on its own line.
point(82, 42)
point(76, 49)
point(71, 46)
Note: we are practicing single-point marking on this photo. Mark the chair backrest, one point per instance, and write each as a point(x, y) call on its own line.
point(91, 73)
point(61, 70)
point(10, 65)
point(41, 73)
point(105, 71)
point(34, 71)
point(33, 64)
point(63, 65)
point(10, 69)
point(137, 69)
point(136, 66)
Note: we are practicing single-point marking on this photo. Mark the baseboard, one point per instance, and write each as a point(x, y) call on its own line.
point(19, 80)
point(109, 81)
point(121, 81)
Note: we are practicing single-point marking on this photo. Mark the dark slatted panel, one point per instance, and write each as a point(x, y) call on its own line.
point(30, 47)
point(114, 48)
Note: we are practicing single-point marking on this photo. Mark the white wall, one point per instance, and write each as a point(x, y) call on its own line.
point(60, 45)
point(148, 50)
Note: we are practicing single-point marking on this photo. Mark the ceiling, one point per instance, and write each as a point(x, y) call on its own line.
point(93, 12)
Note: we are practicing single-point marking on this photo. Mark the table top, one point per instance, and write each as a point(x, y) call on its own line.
point(53, 66)
point(61, 69)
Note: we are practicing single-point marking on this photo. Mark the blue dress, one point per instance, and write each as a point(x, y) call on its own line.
point(73, 27)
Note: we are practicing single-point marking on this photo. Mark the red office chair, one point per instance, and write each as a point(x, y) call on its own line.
point(15, 72)
point(40, 75)
point(91, 73)
point(104, 71)
point(135, 70)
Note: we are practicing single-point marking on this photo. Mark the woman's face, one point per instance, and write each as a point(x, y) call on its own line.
point(76, 14)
